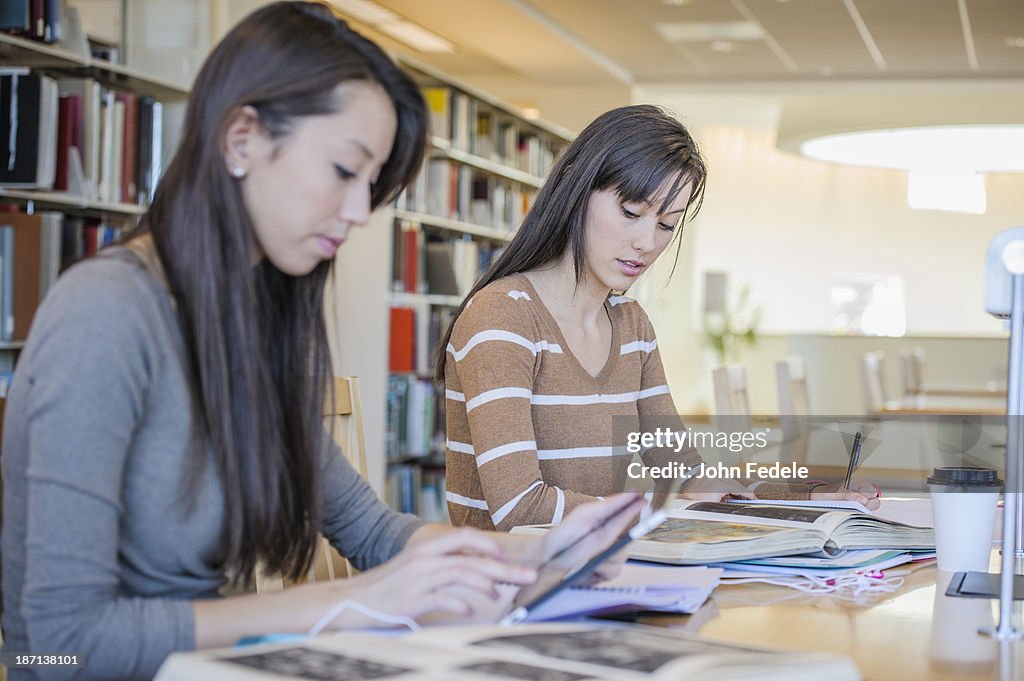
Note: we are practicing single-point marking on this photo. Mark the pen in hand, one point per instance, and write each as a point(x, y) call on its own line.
point(854, 457)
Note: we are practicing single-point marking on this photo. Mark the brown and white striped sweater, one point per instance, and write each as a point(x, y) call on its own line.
point(529, 429)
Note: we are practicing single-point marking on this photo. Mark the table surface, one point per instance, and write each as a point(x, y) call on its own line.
point(948, 405)
point(914, 634)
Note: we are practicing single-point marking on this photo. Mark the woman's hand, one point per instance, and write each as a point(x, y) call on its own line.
point(866, 493)
point(454, 572)
point(705, 489)
point(591, 528)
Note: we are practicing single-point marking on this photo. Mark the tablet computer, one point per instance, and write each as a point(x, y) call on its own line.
point(555, 574)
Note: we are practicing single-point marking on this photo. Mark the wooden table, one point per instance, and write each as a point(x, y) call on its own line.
point(912, 635)
point(947, 405)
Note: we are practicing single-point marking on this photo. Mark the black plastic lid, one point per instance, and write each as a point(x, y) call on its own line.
point(965, 476)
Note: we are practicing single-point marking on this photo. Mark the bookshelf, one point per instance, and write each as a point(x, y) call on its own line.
point(92, 169)
point(17, 51)
point(485, 164)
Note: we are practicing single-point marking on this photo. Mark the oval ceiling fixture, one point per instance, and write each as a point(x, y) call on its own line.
point(944, 162)
point(993, 148)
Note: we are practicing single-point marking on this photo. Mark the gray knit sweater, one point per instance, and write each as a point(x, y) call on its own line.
point(101, 553)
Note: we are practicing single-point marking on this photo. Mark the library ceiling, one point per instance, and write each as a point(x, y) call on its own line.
point(658, 41)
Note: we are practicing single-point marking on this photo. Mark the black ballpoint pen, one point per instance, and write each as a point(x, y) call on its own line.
point(854, 457)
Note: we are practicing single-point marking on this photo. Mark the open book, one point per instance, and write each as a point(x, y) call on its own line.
point(559, 652)
point(702, 532)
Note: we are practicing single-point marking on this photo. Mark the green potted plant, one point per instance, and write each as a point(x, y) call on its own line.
point(728, 330)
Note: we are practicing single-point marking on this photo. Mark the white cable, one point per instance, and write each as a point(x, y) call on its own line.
point(408, 622)
point(851, 586)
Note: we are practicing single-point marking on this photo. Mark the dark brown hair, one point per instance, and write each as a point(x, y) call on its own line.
point(255, 337)
point(634, 150)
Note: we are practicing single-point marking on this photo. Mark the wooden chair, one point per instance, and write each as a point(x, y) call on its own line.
point(794, 408)
point(344, 420)
point(792, 377)
point(872, 373)
point(732, 402)
point(912, 369)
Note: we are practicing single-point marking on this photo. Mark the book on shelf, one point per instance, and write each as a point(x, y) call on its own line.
point(414, 418)
point(701, 532)
point(28, 127)
point(35, 19)
point(566, 652)
point(76, 136)
point(15, 17)
point(6, 282)
point(414, 489)
point(33, 258)
point(438, 100)
point(402, 334)
point(415, 332)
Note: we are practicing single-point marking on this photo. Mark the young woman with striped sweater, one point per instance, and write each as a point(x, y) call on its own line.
point(544, 360)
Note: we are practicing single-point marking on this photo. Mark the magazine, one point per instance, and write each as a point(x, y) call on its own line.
point(540, 652)
point(700, 532)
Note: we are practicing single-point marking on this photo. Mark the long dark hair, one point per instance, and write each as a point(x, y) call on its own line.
point(255, 337)
point(634, 150)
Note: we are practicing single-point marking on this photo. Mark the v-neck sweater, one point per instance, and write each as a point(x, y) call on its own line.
point(530, 430)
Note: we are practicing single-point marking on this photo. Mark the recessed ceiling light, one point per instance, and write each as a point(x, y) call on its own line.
point(677, 3)
point(722, 46)
point(365, 10)
point(707, 31)
point(415, 36)
point(386, 21)
point(1014, 41)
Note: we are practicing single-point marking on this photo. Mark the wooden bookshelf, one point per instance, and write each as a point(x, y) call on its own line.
point(454, 226)
point(470, 197)
point(69, 203)
point(37, 55)
point(111, 100)
point(441, 148)
point(405, 298)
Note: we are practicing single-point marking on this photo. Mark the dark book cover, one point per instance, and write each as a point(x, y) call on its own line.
point(15, 16)
point(20, 100)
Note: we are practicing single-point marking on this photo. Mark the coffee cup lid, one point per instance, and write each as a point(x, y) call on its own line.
point(965, 476)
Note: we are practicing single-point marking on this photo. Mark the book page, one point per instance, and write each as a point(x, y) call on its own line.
point(824, 520)
point(565, 652)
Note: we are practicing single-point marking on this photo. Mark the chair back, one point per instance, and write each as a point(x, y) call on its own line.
point(343, 419)
point(732, 403)
point(872, 366)
point(792, 378)
point(912, 369)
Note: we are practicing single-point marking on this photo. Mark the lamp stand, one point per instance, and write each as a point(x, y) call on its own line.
point(1004, 298)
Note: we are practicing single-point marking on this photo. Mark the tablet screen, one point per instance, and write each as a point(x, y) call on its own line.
point(562, 570)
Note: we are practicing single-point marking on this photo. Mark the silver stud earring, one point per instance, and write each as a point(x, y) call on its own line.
point(238, 172)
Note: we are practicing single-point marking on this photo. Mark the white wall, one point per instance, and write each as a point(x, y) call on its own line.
point(786, 225)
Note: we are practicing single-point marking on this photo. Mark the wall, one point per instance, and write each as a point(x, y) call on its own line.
point(785, 225)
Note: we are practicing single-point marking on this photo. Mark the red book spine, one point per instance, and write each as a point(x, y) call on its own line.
point(402, 347)
point(412, 260)
point(130, 150)
point(65, 133)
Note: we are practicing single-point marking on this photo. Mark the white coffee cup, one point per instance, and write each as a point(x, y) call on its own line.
point(964, 508)
point(957, 647)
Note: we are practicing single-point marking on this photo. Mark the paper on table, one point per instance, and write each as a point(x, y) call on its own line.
point(638, 573)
